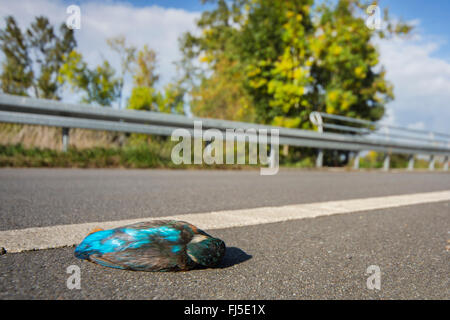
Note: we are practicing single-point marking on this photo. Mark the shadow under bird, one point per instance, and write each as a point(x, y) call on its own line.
point(163, 245)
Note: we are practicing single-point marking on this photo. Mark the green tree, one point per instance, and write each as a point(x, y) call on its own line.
point(127, 55)
point(99, 84)
point(144, 70)
point(150, 99)
point(222, 95)
point(144, 95)
point(143, 98)
point(212, 67)
point(34, 58)
point(17, 73)
point(291, 58)
point(172, 99)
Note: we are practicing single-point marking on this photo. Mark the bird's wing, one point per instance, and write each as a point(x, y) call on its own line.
point(148, 224)
point(147, 258)
point(145, 246)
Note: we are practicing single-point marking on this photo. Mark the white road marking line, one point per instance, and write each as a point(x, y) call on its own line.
point(69, 235)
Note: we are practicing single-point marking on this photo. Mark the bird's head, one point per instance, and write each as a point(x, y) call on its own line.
point(205, 250)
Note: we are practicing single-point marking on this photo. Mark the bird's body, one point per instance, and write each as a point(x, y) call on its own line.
point(152, 246)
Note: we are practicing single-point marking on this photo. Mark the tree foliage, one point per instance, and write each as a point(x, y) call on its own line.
point(144, 95)
point(99, 84)
point(33, 58)
point(144, 74)
point(286, 59)
point(17, 74)
point(222, 95)
point(127, 55)
point(170, 100)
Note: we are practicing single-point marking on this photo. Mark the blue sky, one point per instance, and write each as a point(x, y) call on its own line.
point(419, 67)
point(434, 16)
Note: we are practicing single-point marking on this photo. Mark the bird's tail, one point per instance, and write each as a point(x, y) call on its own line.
point(95, 230)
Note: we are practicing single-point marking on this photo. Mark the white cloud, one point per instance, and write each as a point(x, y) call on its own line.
point(157, 27)
point(421, 83)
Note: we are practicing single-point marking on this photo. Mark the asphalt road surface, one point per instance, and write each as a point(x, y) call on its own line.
point(316, 258)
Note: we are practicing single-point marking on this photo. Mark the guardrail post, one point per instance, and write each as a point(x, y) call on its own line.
point(65, 139)
point(387, 161)
point(319, 159)
point(445, 163)
point(357, 158)
point(431, 164)
point(411, 163)
point(317, 120)
point(272, 157)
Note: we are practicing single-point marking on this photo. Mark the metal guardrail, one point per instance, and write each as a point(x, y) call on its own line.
point(22, 110)
point(383, 131)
